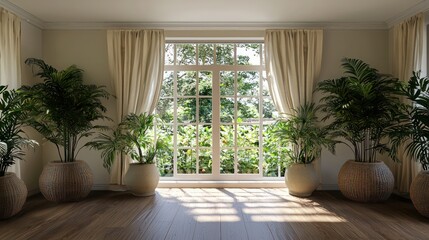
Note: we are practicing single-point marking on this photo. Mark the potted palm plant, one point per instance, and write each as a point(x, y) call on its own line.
point(62, 108)
point(133, 138)
point(13, 190)
point(362, 105)
point(414, 131)
point(304, 139)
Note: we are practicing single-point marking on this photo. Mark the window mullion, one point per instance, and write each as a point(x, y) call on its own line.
point(216, 124)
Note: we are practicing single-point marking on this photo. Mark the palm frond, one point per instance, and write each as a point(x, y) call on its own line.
point(62, 108)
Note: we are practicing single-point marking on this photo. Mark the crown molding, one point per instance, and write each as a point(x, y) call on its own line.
point(420, 7)
point(213, 25)
point(24, 15)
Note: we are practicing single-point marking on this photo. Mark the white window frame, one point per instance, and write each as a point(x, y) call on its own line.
point(216, 97)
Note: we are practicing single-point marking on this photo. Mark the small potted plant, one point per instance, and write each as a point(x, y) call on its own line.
point(62, 108)
point(133, 138)
point(414, 131)
point(301, 134)
point(13, 190)
point(362, 106)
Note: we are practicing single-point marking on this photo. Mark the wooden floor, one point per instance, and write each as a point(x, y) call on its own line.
point(234, 213)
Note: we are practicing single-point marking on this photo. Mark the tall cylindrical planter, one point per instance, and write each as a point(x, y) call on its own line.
point(142, 179)
point(301, 179)
point(13, 194)
point(419, 193)
point(66, 181)
point(365, 182)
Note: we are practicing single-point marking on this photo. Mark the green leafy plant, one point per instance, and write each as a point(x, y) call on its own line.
point(62, 108)
point(131, 137)
point(414, 130)
point(302, 135)
point(363, 105)
point(12, 137)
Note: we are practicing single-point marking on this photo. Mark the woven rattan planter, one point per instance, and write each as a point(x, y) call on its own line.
point(142, 179)
point(301, 179)
point(419, 193)
point(365, 182)
point(66, 182)
point(13, 194)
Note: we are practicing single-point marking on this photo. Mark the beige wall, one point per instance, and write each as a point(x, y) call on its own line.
point(87, 49)
point(370, 46)
point(31, 46)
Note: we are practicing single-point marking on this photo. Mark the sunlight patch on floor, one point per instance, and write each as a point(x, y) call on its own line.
point(250, 205)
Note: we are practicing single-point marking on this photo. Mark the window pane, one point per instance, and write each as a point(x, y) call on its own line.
point(248, 110)
point(248, 135)
point(248, 83)
point(186, 110)
point(227, 161)
point(226, 136)
point(205, 135)
point(169, 54)
point(248, 54)
point(165, 109)
point(164, 157)
point(274, 154)
point(186, 83)
point(248, 161)
point(205, 84)
point(186, 54)
point(186, 135)
point(227, 110)
point(206, 112)
point(225, 54)
point(205, 54)
point(167, 84)
point(186, 161)
point(205, 161)
point(227, 83)
point(269, 111)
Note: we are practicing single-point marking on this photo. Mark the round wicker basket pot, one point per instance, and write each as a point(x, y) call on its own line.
point(66, 182)
point(419, 193)
point(301, 179)
point(365, 182)
point(13, 194)
point(142, 179)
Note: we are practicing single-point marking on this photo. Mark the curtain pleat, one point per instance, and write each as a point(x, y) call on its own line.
point(10, 57)
point(407, 57)
point(293, 62)
point(136, 61)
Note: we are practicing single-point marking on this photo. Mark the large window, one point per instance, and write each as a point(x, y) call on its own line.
point(215, 108)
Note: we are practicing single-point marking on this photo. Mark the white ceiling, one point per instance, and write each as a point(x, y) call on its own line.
point(216, 11)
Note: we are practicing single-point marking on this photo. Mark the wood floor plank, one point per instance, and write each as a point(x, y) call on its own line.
point(214, 214)
point(207, 215)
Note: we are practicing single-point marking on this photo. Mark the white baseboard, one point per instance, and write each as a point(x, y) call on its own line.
point(201, 184)
point(212, 184)
point(221, 184)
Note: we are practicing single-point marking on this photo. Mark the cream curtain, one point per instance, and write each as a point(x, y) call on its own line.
point(10, 56)
point(407, 57)
point(136, 59)
point(293, 62)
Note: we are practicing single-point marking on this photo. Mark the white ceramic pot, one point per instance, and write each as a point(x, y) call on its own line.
point(301, 179)
point(419, 193)
point(142, 179)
